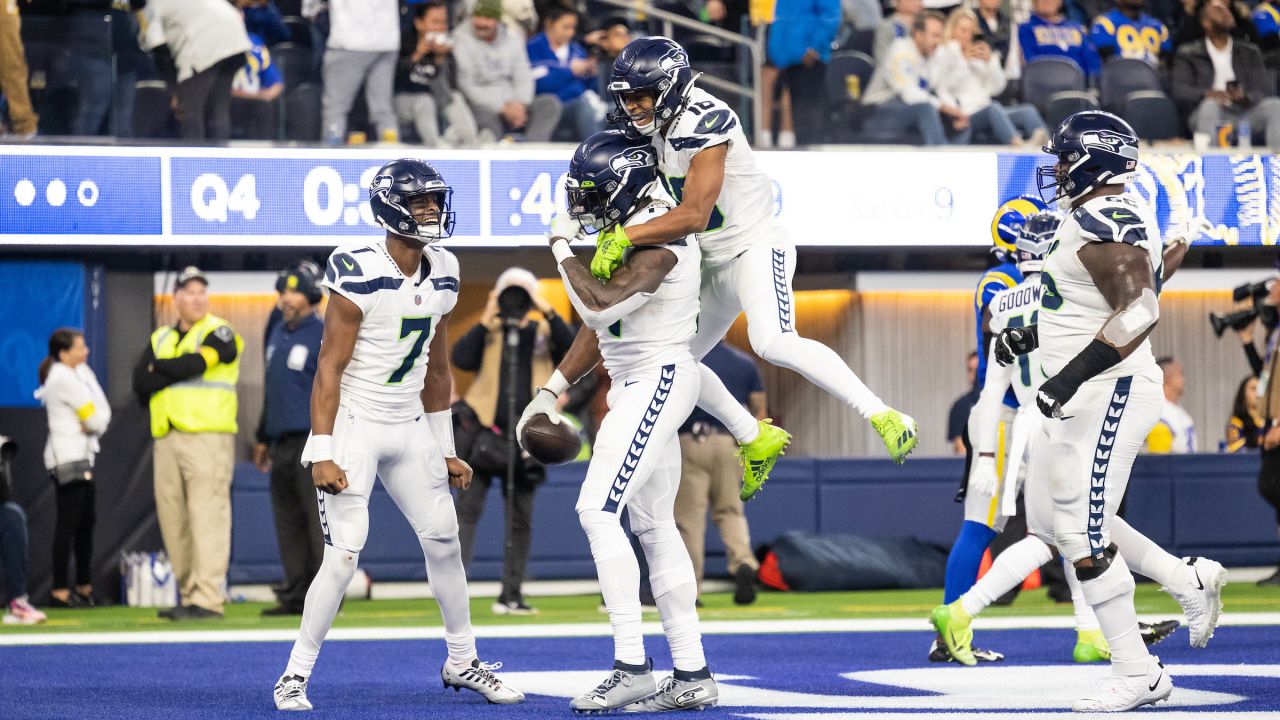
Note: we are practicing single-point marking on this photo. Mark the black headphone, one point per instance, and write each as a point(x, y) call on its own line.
point(303, 276)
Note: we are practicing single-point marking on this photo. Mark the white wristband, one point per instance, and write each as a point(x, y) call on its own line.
point(557, 383)
point(441, 424)
point(321, 448)
point(561, 250)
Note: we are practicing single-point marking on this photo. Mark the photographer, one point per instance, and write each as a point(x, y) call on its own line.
point(505, 343)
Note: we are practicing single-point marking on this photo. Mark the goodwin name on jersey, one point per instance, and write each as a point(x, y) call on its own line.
point(384, 379)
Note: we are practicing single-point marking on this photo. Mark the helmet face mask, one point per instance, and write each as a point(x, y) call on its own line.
point(410, 199)
point(1035, 239)
point(608, 177)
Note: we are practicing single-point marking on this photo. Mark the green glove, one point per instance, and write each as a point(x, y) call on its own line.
point(611, 246)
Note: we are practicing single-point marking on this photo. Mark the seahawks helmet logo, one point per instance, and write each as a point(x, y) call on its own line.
point(675, 59)
point(381, 182)
point(1109, 140)
point(637, 157)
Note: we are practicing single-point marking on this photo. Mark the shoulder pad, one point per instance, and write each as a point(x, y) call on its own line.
point(444, 269)
point(1111, 219)
point(346, 261)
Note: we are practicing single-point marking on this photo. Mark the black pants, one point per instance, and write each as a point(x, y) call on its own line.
point(515, 555)
point(74, 529)
point(205, 100)
point(1269, 479)
point(806, 85)
point(298, 533)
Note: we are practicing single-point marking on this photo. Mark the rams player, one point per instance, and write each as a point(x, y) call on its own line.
point(727, 201)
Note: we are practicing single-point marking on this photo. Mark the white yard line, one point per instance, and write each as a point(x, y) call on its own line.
point(709, 627)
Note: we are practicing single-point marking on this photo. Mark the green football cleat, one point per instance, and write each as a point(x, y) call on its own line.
point(759, 455)
point(898, 431)
point(952, 624)
point(1091, 647)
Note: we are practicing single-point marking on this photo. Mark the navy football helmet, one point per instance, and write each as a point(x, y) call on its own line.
point(608, 174)
point(1096, 148)
point(394, 188)
point(655, 64)
point(1034, 240)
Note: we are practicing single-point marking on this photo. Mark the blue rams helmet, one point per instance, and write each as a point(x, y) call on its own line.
point(1008, 221)
point(395, 187)
point(659, 66)
point(1034, 240)
point(1093, 149)
point(608, 174)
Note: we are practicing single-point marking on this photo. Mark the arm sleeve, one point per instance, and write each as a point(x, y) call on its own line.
point(562, 336)
point(826, 24)
point(223, 341)
point(1254, 358)
point(180, 368)
point(986, 412)
point(1103, 35)
point(145, 381)
point(468, 351)
point(600, 320)
point(1027, 42)
point(270, 75)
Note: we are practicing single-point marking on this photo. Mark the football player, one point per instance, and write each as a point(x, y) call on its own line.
point(1099, 303)
point(726, 200)
point(380, 406)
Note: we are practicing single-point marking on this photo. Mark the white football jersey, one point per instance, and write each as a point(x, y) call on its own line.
point(659, 332)
point(1072, 309)
point(1017, 306)
point(743, 215)
point(383, 382)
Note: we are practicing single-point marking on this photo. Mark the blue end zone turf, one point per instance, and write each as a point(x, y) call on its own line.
point(775, 676)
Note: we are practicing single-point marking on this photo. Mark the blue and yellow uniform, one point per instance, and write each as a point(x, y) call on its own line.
point(1144, 39)
point(1266, 20)
point(1063, 38)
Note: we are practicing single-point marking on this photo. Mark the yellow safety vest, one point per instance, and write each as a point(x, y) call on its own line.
point(200, 404)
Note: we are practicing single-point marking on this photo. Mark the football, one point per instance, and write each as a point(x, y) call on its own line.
point(549, 443)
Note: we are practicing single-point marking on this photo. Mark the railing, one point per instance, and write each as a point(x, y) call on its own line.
point(753, 59)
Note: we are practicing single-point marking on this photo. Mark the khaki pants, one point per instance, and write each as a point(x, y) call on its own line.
point(710, 477)
point(13, 70)
point(193, 504)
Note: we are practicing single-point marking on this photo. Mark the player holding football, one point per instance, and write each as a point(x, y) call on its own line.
point(727, 202)
point(380, 406)
point(1099, 303)
point(640, 323)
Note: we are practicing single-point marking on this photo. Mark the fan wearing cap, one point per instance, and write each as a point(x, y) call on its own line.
point(292, 347)
point(187, 376)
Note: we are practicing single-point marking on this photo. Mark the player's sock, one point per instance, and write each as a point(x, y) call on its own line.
point(1086, 620)
point(321, 607)
point(675, 589)
point(1111, 597)
point(449, 588)
point(1144, 556)
point(965, 558)
point(1007, 572)
point(715, 398)
point(821, 366)
point(619, 575)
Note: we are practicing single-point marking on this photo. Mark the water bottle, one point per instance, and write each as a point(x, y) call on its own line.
point(1244, 135)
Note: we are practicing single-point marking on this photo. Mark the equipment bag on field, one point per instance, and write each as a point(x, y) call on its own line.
point(146, 580)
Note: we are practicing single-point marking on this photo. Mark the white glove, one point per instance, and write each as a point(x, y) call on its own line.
point(982, 476)
point(564, 226)
point(543, 403)
point(1189, 231)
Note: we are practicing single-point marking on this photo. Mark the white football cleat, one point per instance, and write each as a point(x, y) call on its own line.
point(1201, 597)
point(479, 677)
point(291, 693)
point(1119, 693)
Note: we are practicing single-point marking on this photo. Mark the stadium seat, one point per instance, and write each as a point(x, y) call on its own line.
point(847, 76)
point(864, 41)
point(299, 30)
point(1122, 77)
point(1046, 76)
point(289, 7)
point(1153, 115)
point(302, 113)
point(1062, 104)
point(295, 62)
point(152, 110)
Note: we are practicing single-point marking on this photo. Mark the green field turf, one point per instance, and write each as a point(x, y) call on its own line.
point(1238, 598)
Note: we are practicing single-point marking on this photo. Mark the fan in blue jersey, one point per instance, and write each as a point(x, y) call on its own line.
point(1128, 32)
point(1049, 33)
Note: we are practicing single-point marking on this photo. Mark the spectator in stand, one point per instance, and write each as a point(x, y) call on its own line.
point(958, 416)
point(799, 46)
point(896, 27)
point(996, 28)
point(13, 76)
point(1128, 32)
point(562, 68)
point(258, 83)
point(105, 65)
point(262, 18)
point(519, 16)
point(968, 75)
point(427, 81)
point(1175, 433)
point(207, 42)
point(78, 416)
point(364, 42)
point(900, 93)
point(1050, 34)
point(605, 42)
point(1244, 429)
point(1266, 22)
point(859, 15)
point(1220, 79)
point(495, 78)
point(13, 546)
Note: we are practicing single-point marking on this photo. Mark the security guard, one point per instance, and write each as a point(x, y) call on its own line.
point(188, 377)
point(293, 344)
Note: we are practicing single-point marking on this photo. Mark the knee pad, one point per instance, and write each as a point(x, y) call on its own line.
point(604, 534)
point(1108, 578)
point(770, 342)
point(339, 564)
point(441, 520)
point(669, 562)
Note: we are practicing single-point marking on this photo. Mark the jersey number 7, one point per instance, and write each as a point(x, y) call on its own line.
point(409, 326)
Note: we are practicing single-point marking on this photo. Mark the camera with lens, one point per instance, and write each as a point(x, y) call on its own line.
point(1256, 293)
point(514, 303)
